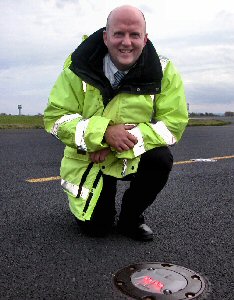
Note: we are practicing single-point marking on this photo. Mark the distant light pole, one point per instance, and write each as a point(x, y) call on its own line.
point(19, 108)
point(188, 107)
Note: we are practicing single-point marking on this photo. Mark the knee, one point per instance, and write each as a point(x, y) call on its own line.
point(159, 158)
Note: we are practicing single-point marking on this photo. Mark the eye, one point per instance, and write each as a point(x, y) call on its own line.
point(118, 34)
point(135, 35)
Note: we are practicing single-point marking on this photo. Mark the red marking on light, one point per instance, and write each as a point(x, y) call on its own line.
point(147, 280)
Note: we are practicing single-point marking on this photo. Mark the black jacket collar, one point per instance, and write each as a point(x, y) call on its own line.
point(144, 78)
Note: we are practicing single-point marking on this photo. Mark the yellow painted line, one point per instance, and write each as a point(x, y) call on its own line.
point(33, 180)
point(183, 162)
point(194, 161)
point(45, 179)
point(224, 157)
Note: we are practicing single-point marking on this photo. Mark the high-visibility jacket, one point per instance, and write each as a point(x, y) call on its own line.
point(82, 104)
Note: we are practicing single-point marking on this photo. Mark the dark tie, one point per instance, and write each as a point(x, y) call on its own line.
point(118, 77)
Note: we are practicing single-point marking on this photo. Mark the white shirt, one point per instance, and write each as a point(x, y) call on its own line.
point(110, 69)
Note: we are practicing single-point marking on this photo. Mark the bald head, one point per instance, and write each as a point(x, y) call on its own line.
point(125, 11)
point(125, 36)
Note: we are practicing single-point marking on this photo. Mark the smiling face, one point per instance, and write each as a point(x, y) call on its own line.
point(125, 36)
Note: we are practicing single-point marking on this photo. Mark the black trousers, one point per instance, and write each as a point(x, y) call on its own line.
point(152, 175)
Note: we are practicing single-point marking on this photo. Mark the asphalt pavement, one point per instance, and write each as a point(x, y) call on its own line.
point(45, 256)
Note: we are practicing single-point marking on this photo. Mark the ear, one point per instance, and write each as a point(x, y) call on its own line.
point(105, 37)
point(145, 39)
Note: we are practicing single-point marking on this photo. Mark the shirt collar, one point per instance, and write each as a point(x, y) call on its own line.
point(110, 69)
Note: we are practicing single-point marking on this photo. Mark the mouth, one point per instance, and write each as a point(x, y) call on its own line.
point(125, 51)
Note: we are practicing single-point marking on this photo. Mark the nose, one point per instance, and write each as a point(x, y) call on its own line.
point(126, 40)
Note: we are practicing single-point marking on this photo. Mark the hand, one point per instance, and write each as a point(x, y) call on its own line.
point(119, 138)
point(100, 155)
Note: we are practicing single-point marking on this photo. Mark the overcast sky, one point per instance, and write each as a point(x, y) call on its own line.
point(36, 36)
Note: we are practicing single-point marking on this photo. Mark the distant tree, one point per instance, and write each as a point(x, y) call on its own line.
point(192, 114)
point(229, 114)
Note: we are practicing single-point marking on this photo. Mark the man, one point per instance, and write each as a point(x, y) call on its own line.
point(117, 106)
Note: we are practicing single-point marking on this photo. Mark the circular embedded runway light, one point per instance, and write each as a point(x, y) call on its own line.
point(157, 281)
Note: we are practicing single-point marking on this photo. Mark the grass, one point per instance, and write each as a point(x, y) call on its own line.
point(36, 122)
point(207, 122)
point(21, 122)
